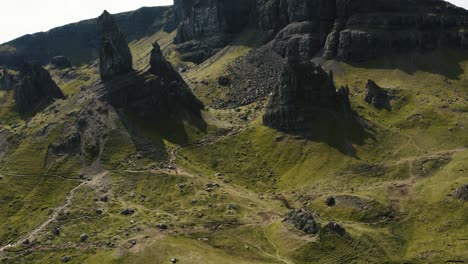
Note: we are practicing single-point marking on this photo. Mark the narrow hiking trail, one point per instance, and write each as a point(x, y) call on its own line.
point(53, 217)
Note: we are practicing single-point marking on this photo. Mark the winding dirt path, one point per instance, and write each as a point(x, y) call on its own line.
point(53, 217)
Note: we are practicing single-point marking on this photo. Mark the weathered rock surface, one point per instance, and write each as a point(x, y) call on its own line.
point(6, 81)
point(205, 26)
point(35, 89)
point(352, 30)
point(304, 220)
point(330, 202)
point(461, 193)
point(162, 68)
point(303, 87)
point(299, 39)
point(377, 96)
point(60, 62)
point(114, 54)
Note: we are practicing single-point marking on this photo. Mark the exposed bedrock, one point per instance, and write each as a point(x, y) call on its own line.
point(351, 30)
point(114, 54)
point(205, 26)
point(303, 88)
point(35, 89)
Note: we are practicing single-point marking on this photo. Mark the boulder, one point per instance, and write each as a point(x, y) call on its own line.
point(377, 96)
point(223, 80)
point(60, 62)
point(35, 89)
point(114, 53)
point(304, 220)
point(461, 193)
point(56, 231)
point(333, 227)
point(104, 199)
point(83, 237)
point(298, 38)
point(330, 202)
point(127, 211)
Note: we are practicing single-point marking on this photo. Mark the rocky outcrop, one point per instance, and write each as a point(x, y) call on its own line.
point(35, 89)
point(377, 96)
point(114, 55)
point(304, 220)
point(461, 193)
point(162, 68)
point(205, 26)
point(60, 62)
point(298, 38)
point(303, 88)
point(6, 81)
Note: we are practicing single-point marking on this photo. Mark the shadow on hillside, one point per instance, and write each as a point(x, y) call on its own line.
point(154, 113)
point(340, 131)
point(445, 62)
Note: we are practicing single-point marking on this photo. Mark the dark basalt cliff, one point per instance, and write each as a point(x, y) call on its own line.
point(205, 26)
point(350, 30)
point(35, 89)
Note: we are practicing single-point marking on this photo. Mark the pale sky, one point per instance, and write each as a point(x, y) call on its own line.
point(20, 17)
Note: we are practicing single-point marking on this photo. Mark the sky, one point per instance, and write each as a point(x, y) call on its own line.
point(20, 17)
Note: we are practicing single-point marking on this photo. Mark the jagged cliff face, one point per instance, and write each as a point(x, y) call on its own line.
point(303, 87)
point(35, 89)
point(206, 26)
point(200, 18)
point(345, 29)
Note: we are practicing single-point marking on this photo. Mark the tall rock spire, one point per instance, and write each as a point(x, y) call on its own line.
point(114, 54)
